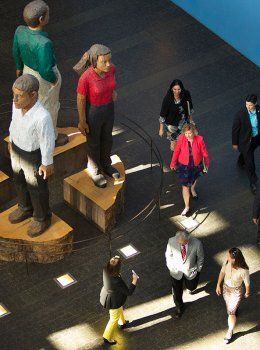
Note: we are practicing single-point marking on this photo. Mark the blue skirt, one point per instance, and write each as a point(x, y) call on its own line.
point(188, 174)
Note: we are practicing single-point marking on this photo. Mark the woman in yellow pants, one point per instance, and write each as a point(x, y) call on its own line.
point(113, 296)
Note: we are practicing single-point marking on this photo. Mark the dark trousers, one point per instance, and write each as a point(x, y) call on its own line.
point(100, 120)
point(32, 189)
point(247, 158)
point(177, 288)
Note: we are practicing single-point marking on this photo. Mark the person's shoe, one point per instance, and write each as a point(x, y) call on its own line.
point(18, 215)
point(112, 172)
point(61, 140)
point(228, 337)
point(113, 342)
point(99, 180)
point(36, 228)
point(124, 326)
point(253, 188)
point(191, 292)
point(178, 312)
point(185, 211)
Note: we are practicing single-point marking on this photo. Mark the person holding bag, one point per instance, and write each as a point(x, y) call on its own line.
point(176, 110)
point(189, 155)
point(113, 296)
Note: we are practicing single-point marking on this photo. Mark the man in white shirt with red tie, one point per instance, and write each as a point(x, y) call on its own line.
point(32, 142)
point(184, 259)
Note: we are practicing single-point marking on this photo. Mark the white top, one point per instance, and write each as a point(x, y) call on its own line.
point(33, 130)
point(235, 277)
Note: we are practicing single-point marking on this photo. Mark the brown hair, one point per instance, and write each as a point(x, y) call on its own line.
point(240, 262)
point(113, 266)
point(33, 11)
point(189, 127)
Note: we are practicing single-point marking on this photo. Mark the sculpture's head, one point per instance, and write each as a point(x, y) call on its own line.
point(99, 56)
point(36, 13)
point(25, 91)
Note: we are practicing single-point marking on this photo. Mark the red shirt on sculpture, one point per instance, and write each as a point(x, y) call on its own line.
point(98, 90)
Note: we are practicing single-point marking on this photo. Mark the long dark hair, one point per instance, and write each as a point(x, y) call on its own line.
point(113, 266)
point(177, 82)
point(240, 262)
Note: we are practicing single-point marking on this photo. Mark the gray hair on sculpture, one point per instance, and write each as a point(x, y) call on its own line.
point(95, 51)
point(33, 11)
point(27, 83)
point(183, 235)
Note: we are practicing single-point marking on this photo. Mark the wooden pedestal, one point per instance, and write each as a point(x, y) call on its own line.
point(16, 245)
point(70, 158)
point(99, 205)
point(6, 188)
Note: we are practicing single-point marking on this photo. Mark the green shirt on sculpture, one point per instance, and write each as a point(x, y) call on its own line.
point(34, 49)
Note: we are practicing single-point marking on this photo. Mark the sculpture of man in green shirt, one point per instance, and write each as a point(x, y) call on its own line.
point(33, 53)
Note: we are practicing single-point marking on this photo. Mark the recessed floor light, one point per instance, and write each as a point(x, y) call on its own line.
point(3, 310)
point(128, 251)
point(65, 280)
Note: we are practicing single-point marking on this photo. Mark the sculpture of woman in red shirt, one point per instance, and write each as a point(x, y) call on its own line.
point(95, 100)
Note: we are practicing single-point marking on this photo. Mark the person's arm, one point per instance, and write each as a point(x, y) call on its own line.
point(235, 131)
point(47, 62)
point(81, 104)
point(200, 256)
point(220, 280)
point(256, 208)
point(204, 153)
point(47, 143)
point(163, 114)
point(189, 99)
point(247, 283)
point(17, 57)
point(176, 154)
point(127, 290)
point(169, 257)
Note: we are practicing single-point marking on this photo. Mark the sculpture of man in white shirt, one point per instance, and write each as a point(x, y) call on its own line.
point(32, 142)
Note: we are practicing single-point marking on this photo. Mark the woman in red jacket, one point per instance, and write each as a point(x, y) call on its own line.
point(188, 157)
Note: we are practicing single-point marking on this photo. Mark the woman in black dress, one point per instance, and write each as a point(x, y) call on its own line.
point(176, 111)
point(113, 296)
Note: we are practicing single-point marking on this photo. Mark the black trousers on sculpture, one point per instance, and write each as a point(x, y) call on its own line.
point(32, 189)
point(177, 288)
point(100, 120)
point(248, 160)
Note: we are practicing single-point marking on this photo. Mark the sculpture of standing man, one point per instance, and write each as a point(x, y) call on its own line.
point(32, 141)
point(33, 53)
point(95, 100)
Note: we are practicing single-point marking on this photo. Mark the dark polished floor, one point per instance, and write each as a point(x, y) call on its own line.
point(152, 42)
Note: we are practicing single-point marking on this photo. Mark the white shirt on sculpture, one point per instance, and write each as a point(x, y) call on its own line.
point(33, 130)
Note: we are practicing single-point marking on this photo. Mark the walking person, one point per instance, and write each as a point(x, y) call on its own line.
point(256, 214)
point(234, 273)
point(95, 100)
point(113, 296)
point(184, 259)
point(191, 158)
point(246, 137)
point(176, 110)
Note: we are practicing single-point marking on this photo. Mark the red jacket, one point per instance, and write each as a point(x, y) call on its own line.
point(181, 151)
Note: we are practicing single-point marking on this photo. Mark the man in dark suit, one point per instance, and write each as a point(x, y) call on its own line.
point(256, 215)
point(246, 137)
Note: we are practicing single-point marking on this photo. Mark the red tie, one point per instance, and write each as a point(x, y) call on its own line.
point(183, 252)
